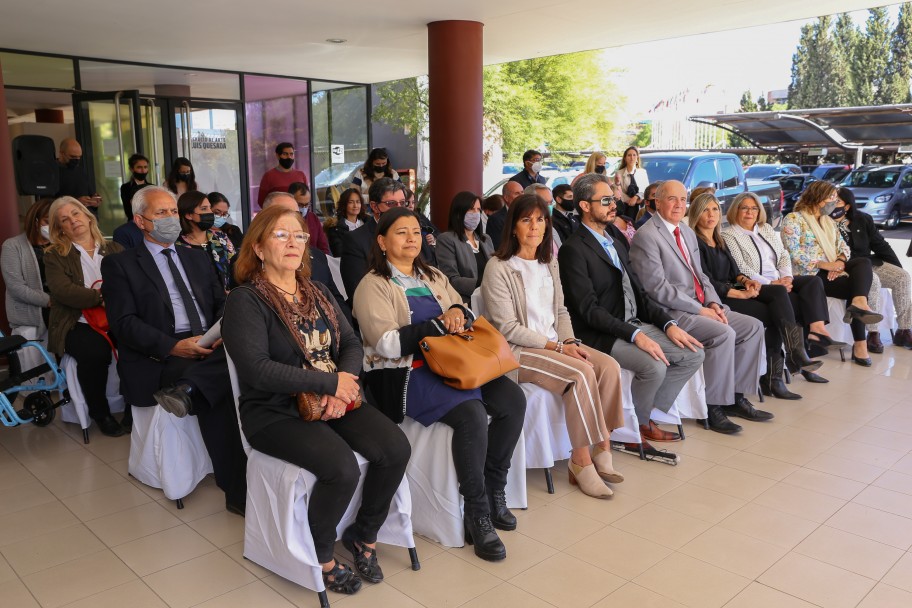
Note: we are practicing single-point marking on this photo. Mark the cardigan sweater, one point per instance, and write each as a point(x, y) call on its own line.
point(25, 296)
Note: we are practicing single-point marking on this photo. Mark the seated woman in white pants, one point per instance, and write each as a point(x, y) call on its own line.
point(524, 300)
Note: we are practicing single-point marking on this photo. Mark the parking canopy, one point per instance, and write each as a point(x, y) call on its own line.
point(886, 127)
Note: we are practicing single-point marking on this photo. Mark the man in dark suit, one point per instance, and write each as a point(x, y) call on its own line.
point(563, 217)
point(612, 313)
point(160, 299)
point(496, 221)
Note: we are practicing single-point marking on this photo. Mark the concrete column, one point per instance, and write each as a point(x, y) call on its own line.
point(9, 208)
point(455, 99)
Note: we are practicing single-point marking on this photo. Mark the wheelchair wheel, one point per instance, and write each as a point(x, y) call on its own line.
point(40, 408)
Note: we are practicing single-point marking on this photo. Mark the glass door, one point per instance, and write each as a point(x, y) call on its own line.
point(109, 128)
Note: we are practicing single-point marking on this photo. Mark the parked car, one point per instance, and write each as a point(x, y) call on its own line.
point(792, 187)
point(883, 192)
point(719, 170)
point(511, 169)
point(329, 184)
point(831, 172)
point(766, 171)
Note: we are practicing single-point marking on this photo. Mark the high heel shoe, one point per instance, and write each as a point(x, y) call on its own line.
point(793, 336)
point(588, 480)
point(862, 361)
point(604, 466)
point(868, 317)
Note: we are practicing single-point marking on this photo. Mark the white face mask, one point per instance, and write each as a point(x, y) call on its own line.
point(304, 211)
point(536, 167)
point(46, 232)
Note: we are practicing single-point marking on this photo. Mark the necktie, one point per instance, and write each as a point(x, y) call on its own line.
point(196, 325)
point(697, 287)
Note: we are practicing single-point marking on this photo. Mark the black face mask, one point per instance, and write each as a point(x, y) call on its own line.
point(206, 221)
point(184, 177)
point(600, 169)
point(140, 177)
point(651, 204)
point(286, 163)
point(567, 204)
point(380, 170)
point(73, 163)
point(838, 213)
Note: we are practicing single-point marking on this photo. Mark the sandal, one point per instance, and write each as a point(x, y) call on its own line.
point(344, 580)
point(365, 557)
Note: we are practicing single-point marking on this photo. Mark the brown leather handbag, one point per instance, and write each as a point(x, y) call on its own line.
point(309, 407)
point(470, 359)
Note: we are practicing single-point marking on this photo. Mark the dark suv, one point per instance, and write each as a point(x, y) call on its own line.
point(882, 191)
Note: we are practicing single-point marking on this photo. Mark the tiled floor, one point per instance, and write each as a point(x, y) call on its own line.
point(812, 509)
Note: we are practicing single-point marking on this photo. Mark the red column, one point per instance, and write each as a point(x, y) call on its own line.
point(9, 208)
point(455, 99)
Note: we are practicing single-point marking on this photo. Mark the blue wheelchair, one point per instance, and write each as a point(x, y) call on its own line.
point(38, 407)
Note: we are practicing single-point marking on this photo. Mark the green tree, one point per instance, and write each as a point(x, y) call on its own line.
point(847, 38)
point(819, 69)
point(800, 85)
point(643, 137)
point(872, 57)
point(403, 105)
point(895, 87)
point(747, 103)
point(762, 105)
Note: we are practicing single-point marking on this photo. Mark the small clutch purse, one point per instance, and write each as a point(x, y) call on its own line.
point(309, 407)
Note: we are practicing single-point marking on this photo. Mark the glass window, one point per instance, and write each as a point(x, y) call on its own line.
point(705, 172)
point(728, 172)
point(22, 70)
point(149, 80)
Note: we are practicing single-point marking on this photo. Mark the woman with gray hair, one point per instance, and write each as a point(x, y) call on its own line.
point(759, 253)
point(767, 303)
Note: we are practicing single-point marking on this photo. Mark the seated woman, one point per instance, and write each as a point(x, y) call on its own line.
point(221, 208)
point(197, 232)
point(760, 256)
point(525, 301)
point(22, 263)
point(73, 267)
point(286, 335)
point(464, 249)
point(768, 303)
point(398, 303)
point(865, 241)
point(817, 248)
point(350, 215)
point(626, 226)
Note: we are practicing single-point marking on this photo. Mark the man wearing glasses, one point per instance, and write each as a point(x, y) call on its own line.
point(612, 313)
point(160, 300)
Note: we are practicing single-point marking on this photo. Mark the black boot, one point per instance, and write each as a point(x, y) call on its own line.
point(479, 531)
point(745, 409)
point(719, 422)
point(500, 514)
point(793, 336)
point(771, 383)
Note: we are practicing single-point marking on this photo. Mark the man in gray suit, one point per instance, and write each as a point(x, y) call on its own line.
point(665, 256)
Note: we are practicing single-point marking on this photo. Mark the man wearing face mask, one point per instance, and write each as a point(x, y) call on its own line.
point(74, 179)
point(139, 172)
point(280, 177)
point(301, 194)
point(160, 300)
point(531, 173)
point(649, 209)
point(564, 217)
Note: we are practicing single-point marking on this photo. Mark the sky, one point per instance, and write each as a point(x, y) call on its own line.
point(758, 59)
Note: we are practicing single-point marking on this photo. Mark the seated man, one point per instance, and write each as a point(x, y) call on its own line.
point(611, 313)
point(564, 217)
point(665, 257)
point(160, 299)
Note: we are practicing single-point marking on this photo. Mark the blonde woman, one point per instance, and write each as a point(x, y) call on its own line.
point(594, 164)
point(73, 267)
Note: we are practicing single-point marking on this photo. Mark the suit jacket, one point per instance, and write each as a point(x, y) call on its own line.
point(594, 292)
point(664, 273)
point(128, 235)
point(456, 260)
point(563, 225)
point(320, 273)
point(496, 225)
point(142, 318)
point(866, 241)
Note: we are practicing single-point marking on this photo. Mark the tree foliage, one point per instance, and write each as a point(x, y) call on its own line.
point(895, 88)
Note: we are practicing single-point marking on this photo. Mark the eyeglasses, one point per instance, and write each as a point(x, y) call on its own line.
point(749, 209)
point(606, 201)
point(392, 203)
point(282, 236)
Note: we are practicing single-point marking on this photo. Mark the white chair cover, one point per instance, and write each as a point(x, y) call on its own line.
point(167, 452)
point(276, 530)
point(77, 411)
point(842, 332)
point(335, 269)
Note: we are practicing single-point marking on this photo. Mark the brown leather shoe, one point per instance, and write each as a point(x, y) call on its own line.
point(903, 337)
point(652, 432)
point(874, 344)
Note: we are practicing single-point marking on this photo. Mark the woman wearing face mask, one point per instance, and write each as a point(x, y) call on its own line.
point(376, 166)
point(811, 237)
point(596, 163)
point(182, 177)
point(28, 300)
point(222, 210)
point(350, 215)
point(139, 169)
point(197, 221)
point(464, 249)
point(865, 241)
point(632, 180)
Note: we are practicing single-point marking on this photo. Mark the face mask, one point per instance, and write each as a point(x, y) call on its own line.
point(73, 163)
point(567, 204)
point(45, 232)
point(206, 221)
point(304, 210)
point(220, 220)
point(166, 229)
point(828, 208)
point(536, 167)
point(471, 220)
point(379, 170)
point(600, 169)
point(838, 213)
point(286, 163)
point(140, 177)
point(184, 177)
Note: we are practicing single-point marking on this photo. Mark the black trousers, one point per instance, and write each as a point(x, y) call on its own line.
point(93, 356)
point(213, 404)
point(858, 283)
point(773, 308)
point(327, 449)
point(482, 452)
point(809, 300)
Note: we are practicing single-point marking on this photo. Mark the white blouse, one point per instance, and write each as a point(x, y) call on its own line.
point(539, 288)
point(91, 269)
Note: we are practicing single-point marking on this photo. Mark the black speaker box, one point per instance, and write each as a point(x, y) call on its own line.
point(35, 162)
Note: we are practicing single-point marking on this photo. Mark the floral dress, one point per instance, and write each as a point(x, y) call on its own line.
point(221, 251)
